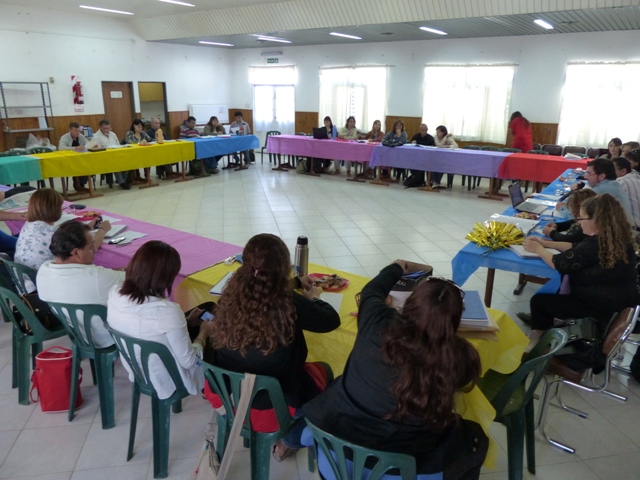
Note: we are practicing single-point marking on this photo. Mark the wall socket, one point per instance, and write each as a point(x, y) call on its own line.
point(52, 80)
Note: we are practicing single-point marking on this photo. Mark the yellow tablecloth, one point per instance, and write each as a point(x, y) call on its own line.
point(334, 347)
point(68, 163)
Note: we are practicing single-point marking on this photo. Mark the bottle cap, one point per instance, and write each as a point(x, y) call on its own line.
point(303, 240)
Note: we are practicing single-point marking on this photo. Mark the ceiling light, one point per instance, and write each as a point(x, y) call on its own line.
point(433, 30)
point(105, 10)
point(336, 34)
point(271, 39)
point(216, 43)
point(543, 24)
point(177, 3)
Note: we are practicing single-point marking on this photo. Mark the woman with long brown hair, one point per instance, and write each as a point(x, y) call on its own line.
point(520, 132)
point(259, 328)
point(398, 390)
point(600, 269)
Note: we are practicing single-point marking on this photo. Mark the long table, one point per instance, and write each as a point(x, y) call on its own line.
point(310, 147)
point(20, 168)
point(503, 355)
point(207, 147)
point(537, 168)
point(471, 257)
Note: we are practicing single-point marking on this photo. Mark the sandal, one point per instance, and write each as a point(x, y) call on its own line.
point(336, 172)
point(281, 452)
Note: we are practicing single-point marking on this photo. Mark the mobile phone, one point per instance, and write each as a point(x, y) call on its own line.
point(115, 241)
point(98, 222)
point(207, 317)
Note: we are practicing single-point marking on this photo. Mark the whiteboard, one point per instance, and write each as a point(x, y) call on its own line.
point(203, 112)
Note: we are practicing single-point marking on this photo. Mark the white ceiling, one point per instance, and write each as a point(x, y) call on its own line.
point(308, 22)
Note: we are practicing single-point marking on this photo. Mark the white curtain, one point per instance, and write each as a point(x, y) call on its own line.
point(599, 102)
point(273, 99)
point(471, 101)
point(360, 92)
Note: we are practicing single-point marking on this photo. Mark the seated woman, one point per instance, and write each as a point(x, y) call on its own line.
point(396, 134)
point(135, 135)
point(375, 134)
point(320, 165)
point(615, 148)
point(213, 128)
point(398, 391)
point(570, 231)
point(443, 139)
point(600, 271)
point(348, 132)
point(141, 308)
point(259, 324)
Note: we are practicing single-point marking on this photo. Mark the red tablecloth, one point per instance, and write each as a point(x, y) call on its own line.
point(310, 147)
point(537, 168)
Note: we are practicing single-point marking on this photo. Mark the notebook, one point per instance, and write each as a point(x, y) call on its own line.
point(521, 252)
point(218, 287)
point(475, 315)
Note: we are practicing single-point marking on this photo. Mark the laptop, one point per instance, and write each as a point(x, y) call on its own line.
point(320, 133)
point(518, 202)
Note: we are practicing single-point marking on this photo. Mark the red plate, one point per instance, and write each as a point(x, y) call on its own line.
point(315, 276)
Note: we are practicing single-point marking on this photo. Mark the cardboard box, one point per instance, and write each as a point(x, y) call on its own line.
point(403, 287)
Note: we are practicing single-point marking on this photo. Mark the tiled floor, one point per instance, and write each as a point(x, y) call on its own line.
point(354, 227)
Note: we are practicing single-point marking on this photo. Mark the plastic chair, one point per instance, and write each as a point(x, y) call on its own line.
point(538, 152)
point(619, 330)
point(266, 142)
point(142, 351)
point(512, 397)
point(226, 384)
point(13, 153)
point(582, 151)
point(471, 147)
point(25, 339)
point(512, 150)
point(102, 359)
point(596, 152)
point(464, 177)
point(490, 148)
point(17, 272)
point(352, 462)
point(537, 146)
point(36, 150)
point(552, 149)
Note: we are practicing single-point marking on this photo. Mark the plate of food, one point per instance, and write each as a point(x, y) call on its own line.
point(329, 282)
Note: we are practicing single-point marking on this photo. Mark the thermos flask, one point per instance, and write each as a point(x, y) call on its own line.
point(301, 263)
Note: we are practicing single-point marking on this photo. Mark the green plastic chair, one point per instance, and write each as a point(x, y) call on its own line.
point(266, 142)
point(348, 460)
point(512, 150)
point(539, 152)
point(490, 148)
point(160, 408)
point(13, 153)
point(102, 359)
point(17, 272)
point(220, 381)
point(471, 147)
point(25, 340)
point(39, 150)
point(512, 397)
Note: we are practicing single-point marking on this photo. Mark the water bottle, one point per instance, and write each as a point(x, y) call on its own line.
point(301, 263)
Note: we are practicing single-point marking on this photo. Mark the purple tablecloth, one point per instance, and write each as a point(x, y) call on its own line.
point(310, 147)
point(478, 163)
point(196, 252)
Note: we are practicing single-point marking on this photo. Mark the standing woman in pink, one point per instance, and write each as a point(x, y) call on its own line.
point(520, 130)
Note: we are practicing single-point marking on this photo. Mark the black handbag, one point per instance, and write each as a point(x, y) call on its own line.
point(583, 350)
point(392, 143)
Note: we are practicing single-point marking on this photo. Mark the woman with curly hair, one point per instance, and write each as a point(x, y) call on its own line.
point(599, 271)
point(399, 388)
point(259, 329)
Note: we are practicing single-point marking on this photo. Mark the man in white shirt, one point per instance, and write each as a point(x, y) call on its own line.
point(629, 180)
point(105, 137)
point(241, 128)
point(74, 140)
point(73, 278)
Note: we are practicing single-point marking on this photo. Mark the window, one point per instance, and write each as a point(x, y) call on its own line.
point(471, 101)
point(273, 98)
point(360, 92)
point(599, 102)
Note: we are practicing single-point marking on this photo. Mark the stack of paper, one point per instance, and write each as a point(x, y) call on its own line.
point(475, 315)
point(523, 224)
point(521, 252)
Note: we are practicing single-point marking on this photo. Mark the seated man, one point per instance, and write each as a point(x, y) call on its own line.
point(73, 278)
point(421, 138)
point(241, 128)
point(74, 140)
point(629, 180)
point(105, 137)
point(161, 170)
point(188, 130)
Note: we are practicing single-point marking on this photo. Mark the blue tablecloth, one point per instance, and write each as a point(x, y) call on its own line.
point(213, 146)
point(472, 257)
point(18, 169)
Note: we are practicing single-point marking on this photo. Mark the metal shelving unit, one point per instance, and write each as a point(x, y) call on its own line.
point(41, 110)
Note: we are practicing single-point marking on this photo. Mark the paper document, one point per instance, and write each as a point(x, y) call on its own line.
point(523, 224)
point(545, 196)
point(218, 287)
point(521, 252)
point(333, 299)
point(65, 217)
point(16, 201)
point(128, 237)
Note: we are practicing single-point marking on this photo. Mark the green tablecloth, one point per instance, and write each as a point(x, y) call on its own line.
point(23, 168)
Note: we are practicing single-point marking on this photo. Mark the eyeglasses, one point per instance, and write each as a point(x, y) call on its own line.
point(582, 218)
point(440, 279)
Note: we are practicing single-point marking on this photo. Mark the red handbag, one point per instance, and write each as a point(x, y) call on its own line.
point(52, 380)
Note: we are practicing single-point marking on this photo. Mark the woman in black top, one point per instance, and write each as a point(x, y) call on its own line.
point(569, 231)
point(601, 269)
point(259, 323)
point(398, 390)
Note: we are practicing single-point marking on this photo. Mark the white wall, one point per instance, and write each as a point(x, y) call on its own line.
point(537, 85)
point(38, 44)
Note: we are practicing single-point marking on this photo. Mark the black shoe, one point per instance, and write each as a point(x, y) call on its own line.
point(125, 186)
point(524, 317)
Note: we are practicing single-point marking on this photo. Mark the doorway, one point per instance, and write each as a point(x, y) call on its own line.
point(153, 103)
point(118, 106)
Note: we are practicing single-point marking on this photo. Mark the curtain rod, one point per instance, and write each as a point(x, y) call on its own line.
point(602, 63)
point(355, 66)
point(471, 65)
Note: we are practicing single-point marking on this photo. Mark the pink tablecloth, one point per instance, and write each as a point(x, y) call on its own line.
point(310, 147)
point(196, 252)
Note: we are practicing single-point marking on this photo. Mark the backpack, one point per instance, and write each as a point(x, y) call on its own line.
point(412, 182)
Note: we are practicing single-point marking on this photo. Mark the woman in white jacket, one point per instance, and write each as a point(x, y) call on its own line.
point(141, 309)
